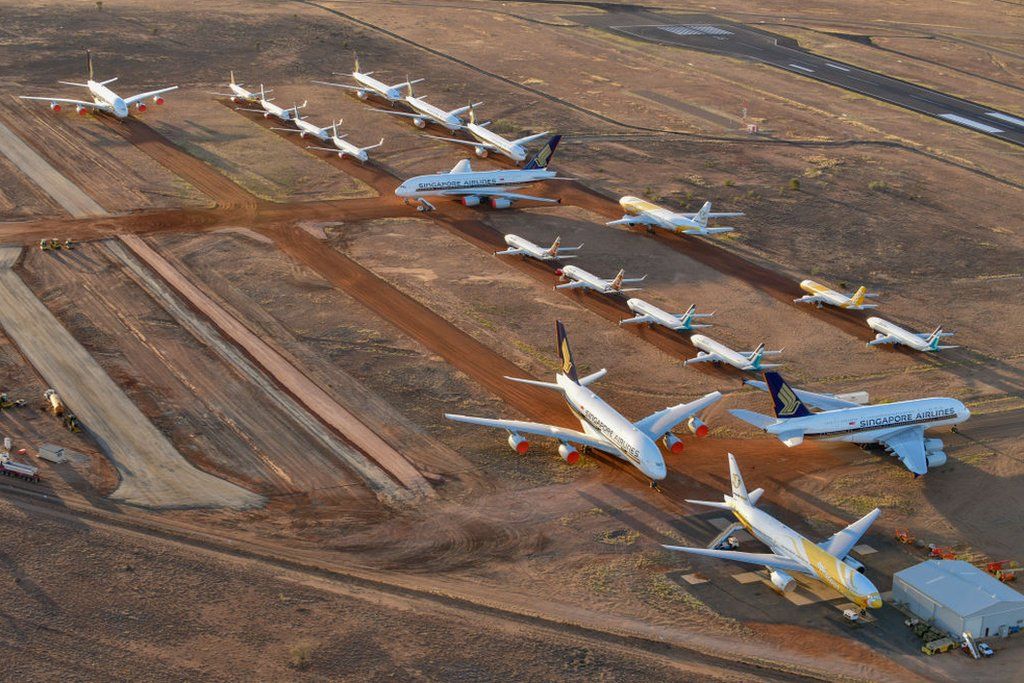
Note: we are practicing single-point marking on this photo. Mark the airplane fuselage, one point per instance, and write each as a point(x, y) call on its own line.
point(308, 128)
point(373, 85)
point(598, 418)
point(243, 95)
point(830, 296)
point(513, 151)
point(274, 110)
point(477, 181)
point(901, 335)
point(110, 100)
point(661, 217)
point(727, 355)
point(532, 250)
point(818, 563)
point(869, 424)
point(660, 317)
point(588, 279)
point(435, 114)
point(346, 147)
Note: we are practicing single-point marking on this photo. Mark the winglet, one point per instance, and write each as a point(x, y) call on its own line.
point(565, 353)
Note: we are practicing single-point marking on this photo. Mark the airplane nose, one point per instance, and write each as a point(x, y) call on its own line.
point(875, 601)
point(401, 191)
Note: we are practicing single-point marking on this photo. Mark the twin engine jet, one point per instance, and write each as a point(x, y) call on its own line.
point(471, 187)
point(238, 94)
point(652, 315)
point(891, 333)
point(487, 141)
point(642, 212)
point(268, 108)
point(426, 113)
point(304, 128)
point(820, 294)
point(103, 98)
point(792, 553)
point(603, 427)
point(343, 147)
point(520, 246)
point(367, 85)
point(899, 426)
point(712, 351)
point(582, 279)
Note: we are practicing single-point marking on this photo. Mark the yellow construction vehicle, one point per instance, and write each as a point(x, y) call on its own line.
point(936, 646)
point(7, 402)
point(44, 245)
point(68, 244)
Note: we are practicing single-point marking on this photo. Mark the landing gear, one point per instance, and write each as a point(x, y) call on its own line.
point(654, 485)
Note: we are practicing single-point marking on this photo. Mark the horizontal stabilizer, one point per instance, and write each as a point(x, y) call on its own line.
point(710, 504)
point(750, 417)
point(591, 378)
point(536, 383)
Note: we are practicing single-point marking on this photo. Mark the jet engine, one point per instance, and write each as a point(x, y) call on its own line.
point(480, 151)
point(158, 100)
point(673, 443)
point(82, 111)
point(500, 203)
point(935, 458)
point(54, 106)
point(362, 94)
point(419, 123)
point(568, 453)
point(140, 107)
point(697, 426)
point(470, 200)
point(518, 444)
point(782, 581)
point(853, 564)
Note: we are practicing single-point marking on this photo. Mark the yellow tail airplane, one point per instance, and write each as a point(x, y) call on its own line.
point(828, 562)
point(820, 294)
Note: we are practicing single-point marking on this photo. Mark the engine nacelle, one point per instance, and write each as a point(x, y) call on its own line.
point(935, 459)
point(54, 106)
point(236, 99)
point(673, 443)
point(855, 565)
point(782, 581)
point(470, 200)
point(266, 115)
point(518, 444)
point(481, 151)
point(302, 135)
point(568, 453)
point(158, 100)
point(362, 94)
point(500, 203)
point(140, 107)
point(82, 111)
point(419, 123)
point(933, 445)
point(697, 426)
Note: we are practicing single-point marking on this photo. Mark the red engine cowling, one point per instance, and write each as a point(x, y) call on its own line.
point(54, 106)
point(518, 444)
point(419, 123)
point(695, 425)
point(481, 152)
point(158, 100)
point(673, 443)
point(82, 111)
point(500, 203)
point(140, 107)
point(470, 200)
point(362, 94)
point(569, 453)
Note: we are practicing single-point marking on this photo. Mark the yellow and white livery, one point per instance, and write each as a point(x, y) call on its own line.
point(819, 294)
point(642, 212)
point(828, 562)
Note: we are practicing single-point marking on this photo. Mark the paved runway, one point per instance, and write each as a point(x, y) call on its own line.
point(714, 34)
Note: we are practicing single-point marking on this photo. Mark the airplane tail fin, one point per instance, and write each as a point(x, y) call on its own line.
point(472, 114)
point(232, 77)
point(565, 353)
point(355, 69)
point(787, 404)
point(702, 216)
point(739, 489)
point(88, 62)
point(555, 245)
point(858, 297)
point(935, 338)
point(616, 282)
point(756, 355)
point(688, 316)
point(543, 157)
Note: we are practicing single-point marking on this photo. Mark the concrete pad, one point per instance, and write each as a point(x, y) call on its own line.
point(799, 598)
point(720, 523)
point(694, 579)
point(864, 549)
point(747, 577)
point(153, 473)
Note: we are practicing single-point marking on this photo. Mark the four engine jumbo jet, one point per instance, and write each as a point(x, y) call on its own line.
point(642, 212)
point(371, 86)
point(104, 99)
point(652, 315)
point(891, 333)
point(520, 246)
point(898, 426)
point(820, 294)
point(712, 351)
point(791, 552)
point(582, 279)
point(604, 428)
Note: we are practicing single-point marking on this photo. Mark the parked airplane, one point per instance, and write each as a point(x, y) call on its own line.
point(239, 94)
point(343, 147)
point(268, 108)
point(791, 552)
point(304, 128)
point(899, 426)
point(520, 246)
point(603, 427)
point(427, 113)
point(891, 333)
point(582, 279)
point(470, 187)
point(642, 212)
point(716, 352)
point(651, 314)
point(103, 98)
point(371, 86)
point(820, 294)
point(488, 141)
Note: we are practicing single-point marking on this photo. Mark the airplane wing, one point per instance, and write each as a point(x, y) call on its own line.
point(633, 220)
point(506, 195)
point(143, 95)
point(704, 357)
point(819, 401)
point(636, 320)
point(763, 559)
point(728, 214)
point(60, 100)
point(575, 284)
point(511, 251)
point(808, 299)
point(660, 423)
point(549, 431)
point(908, 445)
point(405, 114)
point(841, 542)
point(529, 138)
point(708, 231)
point(884, 340)
point(340, 85)
point(485, 145)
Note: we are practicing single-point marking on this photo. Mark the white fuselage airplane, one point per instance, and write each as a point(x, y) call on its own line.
point(343, 147)
point(652, 315)
point(716, 352)
point(426, 113)
point(304, 128)
point(520, 246)
point(103, 98)
point(642, 212)
point(488, 141)
point(268, 108)
point(371, 86)
point(471, 187)
point(582, 279)
point(604, 428)
point(820, 294)
point(899, 426)
point(891, 333)
point(238, 94)
point(791, 552)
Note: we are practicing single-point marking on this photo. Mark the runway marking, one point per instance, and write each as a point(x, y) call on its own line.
point(836, 66)
point(971, 123)
point(696, 30)
point(1006, 117)
point(802, 68)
